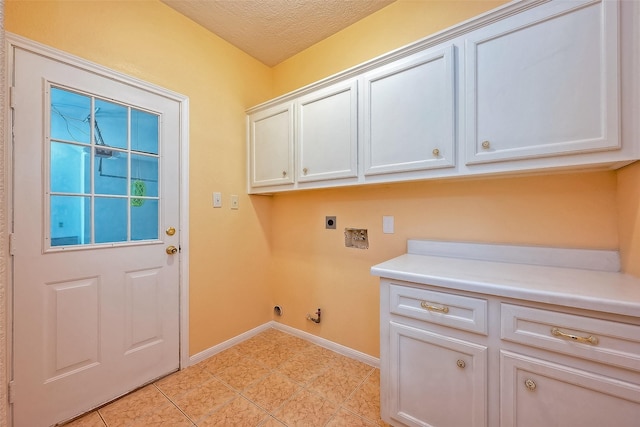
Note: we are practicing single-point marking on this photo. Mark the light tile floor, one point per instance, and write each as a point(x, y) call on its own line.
point(273, 379)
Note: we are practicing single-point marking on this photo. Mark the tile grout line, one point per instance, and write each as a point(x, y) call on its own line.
point(303, 361)
point(174, 404)
point(353, 392)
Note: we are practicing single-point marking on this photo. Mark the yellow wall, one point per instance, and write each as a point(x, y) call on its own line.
point(311, 266)
point(148, 40)
point(629, 212)
point(394, 26)
point(275, 249)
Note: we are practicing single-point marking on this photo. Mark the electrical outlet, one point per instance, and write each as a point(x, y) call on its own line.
point(234, 202)
point(330, 222)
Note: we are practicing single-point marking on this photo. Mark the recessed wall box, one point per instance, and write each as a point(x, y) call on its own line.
point(356, 238)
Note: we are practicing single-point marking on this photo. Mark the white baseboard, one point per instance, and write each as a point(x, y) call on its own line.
point(322, 342)
point(205, 354)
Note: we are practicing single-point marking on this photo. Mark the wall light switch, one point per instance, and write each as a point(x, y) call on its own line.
point(387, 224)
point(234, 202)
point(217, 200)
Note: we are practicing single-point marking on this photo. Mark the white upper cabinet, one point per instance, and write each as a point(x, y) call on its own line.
point(327, 133)
point(271, 146)
point(533, 85)
point(543, 83)
point(409, 115)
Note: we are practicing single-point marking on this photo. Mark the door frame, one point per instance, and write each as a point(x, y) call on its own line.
point(13, 41)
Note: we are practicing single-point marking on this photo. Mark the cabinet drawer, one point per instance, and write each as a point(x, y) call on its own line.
point(456, 311)
point(604, 341)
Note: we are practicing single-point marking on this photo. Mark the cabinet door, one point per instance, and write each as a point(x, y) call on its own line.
point(409, 118)
point(544, 82)
point(436, 380)
point(327, 133)
point(536, 393)
point(271, 146)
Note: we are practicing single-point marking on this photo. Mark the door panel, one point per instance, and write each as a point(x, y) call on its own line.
point(142, 301)
point(96, 307)
point(71, 313)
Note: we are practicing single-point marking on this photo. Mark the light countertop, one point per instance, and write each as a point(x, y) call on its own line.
point(562, 284)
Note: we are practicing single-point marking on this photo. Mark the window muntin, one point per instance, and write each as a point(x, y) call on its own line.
point(104, 168)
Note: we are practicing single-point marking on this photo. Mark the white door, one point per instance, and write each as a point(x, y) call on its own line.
point(95, 186)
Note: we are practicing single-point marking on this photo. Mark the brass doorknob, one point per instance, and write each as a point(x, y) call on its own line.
point(172, 250)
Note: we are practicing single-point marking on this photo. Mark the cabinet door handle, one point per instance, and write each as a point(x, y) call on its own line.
point(305, 170)
point(284, 174)
point(586, 340)
point(461, 363)
point(427, 306)
point(530, 384)
point(486, 145)
point(436, 152)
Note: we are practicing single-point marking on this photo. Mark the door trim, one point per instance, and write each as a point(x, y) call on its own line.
point(13, 41)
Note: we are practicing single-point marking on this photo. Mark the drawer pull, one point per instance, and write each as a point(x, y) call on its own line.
point(430, 307)
point(530, 384)
point(586, 340)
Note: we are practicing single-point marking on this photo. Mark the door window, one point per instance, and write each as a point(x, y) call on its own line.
point(103, 168)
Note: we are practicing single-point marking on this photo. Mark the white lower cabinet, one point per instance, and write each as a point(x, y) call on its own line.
point(457, 358)
point(435, 380)
point(536, 392)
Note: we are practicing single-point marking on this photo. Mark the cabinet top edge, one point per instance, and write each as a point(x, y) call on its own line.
point(491, 16)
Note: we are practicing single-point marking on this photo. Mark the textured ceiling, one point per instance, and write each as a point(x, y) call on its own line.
point(274, 30)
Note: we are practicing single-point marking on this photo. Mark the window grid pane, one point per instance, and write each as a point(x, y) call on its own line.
point(117, 175)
